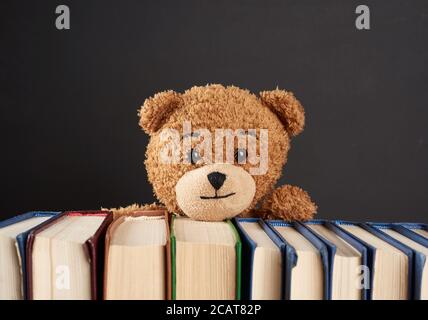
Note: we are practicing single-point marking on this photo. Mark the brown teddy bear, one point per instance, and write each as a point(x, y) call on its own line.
point(185, 177)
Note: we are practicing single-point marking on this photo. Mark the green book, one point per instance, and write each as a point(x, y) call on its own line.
point(205, 259)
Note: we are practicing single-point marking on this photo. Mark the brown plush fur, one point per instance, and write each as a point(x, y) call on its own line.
point(288, 109)
point(216, 106)
point(289, 203)
point(117, 212)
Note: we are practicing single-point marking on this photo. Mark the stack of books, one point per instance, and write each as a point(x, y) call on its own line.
point(153, 255)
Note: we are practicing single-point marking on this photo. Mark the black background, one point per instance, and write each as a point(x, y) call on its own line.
point(69, 129)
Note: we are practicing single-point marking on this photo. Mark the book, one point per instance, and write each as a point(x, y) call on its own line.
point(206, 260)
point(65, 256)
point(137, 254)
point(418, 228)
point(151, 255)
point(346, 256)
point(419, 246)
point(306, 262)
point(389, 261)
point(13, 238)
point(262, 260)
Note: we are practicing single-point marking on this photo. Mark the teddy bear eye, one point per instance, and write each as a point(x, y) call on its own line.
point(241, 155)
point(193, 156)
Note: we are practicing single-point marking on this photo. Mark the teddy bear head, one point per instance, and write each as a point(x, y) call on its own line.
point(215, 151)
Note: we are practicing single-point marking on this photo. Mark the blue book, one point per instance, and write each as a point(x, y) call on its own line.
point(389, 262)
point(421, 229)
point(346, 256)
point(419, 245)
point(305, 262)
point(13, 238)
point(263, 257)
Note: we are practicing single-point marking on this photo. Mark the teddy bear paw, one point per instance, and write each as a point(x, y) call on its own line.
point(288, 203)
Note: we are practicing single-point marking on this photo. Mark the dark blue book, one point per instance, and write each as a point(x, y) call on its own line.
point(346, 257)
point(389, 262)
point(263, 258)
point(419, 245)
point(13, 238)
point(421, 229)
point(306, 265)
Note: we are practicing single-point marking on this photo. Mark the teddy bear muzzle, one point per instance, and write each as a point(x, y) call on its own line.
point(215, 192)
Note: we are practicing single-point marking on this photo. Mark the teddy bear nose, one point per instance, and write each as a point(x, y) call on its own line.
point(216, 179)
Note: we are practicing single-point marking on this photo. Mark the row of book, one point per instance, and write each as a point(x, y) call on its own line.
point(155, 255)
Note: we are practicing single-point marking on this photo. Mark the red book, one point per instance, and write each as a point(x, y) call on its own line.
point(65, 256)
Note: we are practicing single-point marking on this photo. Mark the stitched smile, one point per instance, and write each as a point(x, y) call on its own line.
point(217, 197)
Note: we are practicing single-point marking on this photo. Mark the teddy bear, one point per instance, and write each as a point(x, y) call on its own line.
point(230, 179)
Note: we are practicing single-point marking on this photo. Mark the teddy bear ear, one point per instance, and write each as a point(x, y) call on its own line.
point(287, 108)
point(157, 109)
